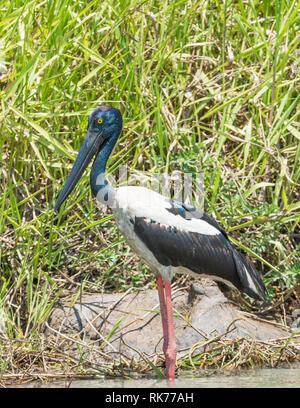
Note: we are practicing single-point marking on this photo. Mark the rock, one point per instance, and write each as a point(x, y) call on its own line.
point(130, 323)
point(296, 316)
point(296, 323)
point(295, 313)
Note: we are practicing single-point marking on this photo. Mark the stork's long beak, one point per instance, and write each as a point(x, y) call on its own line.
point(89, 148)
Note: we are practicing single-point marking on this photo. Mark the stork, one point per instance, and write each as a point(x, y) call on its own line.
point(169, 236)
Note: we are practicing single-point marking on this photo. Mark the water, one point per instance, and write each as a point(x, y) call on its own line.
point(256, 378)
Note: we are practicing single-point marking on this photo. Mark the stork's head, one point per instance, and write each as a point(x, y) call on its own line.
point(104, 126)
point(105, 120)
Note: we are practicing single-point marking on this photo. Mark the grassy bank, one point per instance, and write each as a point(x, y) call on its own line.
point(203, 86)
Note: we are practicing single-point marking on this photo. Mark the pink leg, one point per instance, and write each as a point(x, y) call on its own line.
point(166, 308)
point(171, 349)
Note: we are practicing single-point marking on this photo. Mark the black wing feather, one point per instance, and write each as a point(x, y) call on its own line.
point(201, 253)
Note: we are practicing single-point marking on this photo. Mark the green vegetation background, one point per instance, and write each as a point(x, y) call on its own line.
point(204, 86)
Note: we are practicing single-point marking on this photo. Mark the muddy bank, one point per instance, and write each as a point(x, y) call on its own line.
point(129, 323)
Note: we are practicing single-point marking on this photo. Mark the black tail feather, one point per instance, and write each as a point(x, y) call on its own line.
point(252, 283)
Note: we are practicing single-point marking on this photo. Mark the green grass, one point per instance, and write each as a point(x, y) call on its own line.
point(204, 86)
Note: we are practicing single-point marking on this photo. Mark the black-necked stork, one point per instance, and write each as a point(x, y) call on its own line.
point(169, 236)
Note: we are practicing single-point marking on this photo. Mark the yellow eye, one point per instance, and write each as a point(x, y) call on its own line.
point(100, 121)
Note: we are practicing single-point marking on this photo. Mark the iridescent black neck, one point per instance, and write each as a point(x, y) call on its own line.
point(97, 176)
